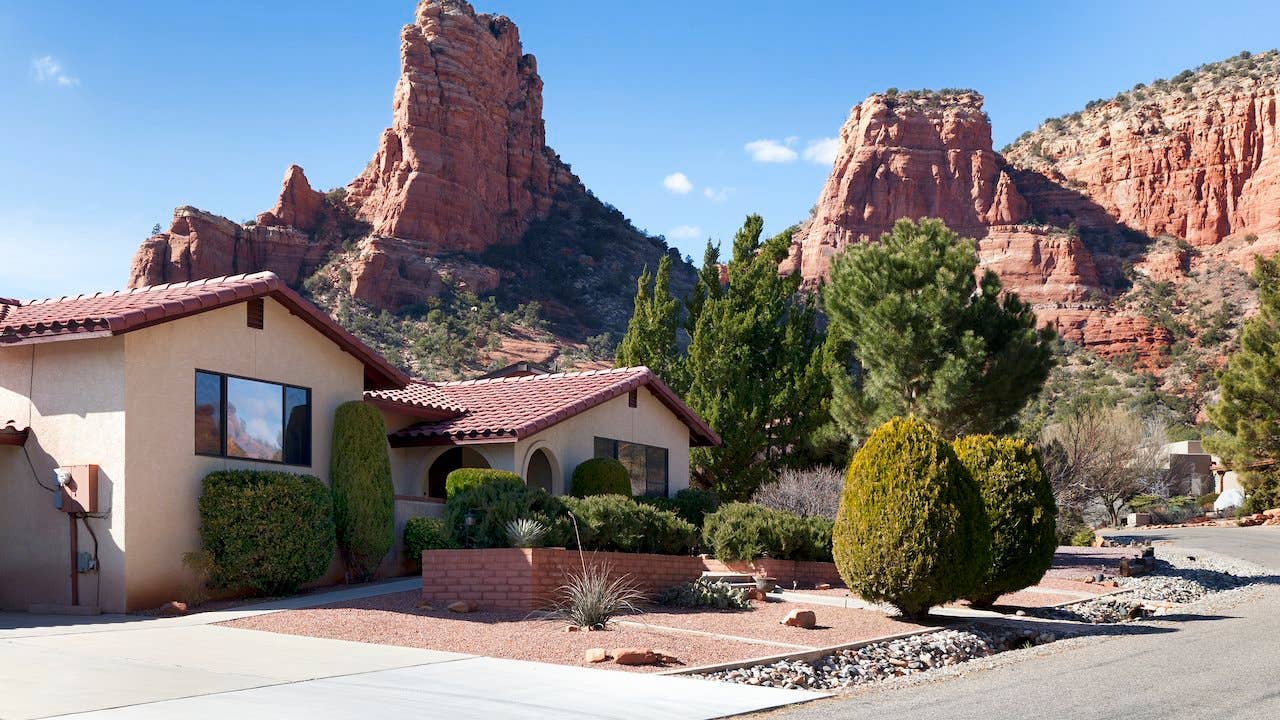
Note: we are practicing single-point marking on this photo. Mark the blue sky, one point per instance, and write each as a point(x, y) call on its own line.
point(112, 114)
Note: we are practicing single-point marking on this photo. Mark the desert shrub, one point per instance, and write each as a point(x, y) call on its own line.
point(601, 476)
point(1207, 500)
point(1083, 537)
point(426, 533)
point(464, 478)
point(1020, 509)
point(525, 533)
point(691, 504)
point(616, 523)
point(911, 530)
point(495, 504)
point(1144, 503)
point(744, 531)
point(364, 503)
point(817, 545)
point(706, 593)
point(814, 492)
point(269, 532)
point(594, 595)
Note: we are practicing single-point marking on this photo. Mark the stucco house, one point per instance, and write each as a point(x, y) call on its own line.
point(132, 397)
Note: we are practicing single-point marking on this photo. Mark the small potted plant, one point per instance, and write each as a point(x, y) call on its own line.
point(764, 583)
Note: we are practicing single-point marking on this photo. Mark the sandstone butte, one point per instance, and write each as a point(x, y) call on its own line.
point(1200, 165)
point(464, 167)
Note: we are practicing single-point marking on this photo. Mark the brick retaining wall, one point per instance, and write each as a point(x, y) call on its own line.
point(526, 579)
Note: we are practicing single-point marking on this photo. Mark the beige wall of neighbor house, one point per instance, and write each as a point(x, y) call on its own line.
point(72, 395)
point(164, 473)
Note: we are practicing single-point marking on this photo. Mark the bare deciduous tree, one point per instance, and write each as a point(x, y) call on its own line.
point(810, 493)
point(1105, 455)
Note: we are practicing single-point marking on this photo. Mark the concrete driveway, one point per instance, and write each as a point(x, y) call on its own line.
point(1222, 667)
point(123, 667)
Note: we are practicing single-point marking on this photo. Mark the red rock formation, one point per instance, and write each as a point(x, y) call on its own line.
point(298, 206)
point(464, 165)
point(1200, 164)
point(1046, 268)
point(908, 156)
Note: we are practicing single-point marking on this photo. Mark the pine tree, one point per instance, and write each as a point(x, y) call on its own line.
point(925, 337)
point(707, 286)
point(1247, 414)
point(754, 366)
point(651, 332)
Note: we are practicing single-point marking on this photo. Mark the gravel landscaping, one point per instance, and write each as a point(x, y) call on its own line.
point(885, 660)
point(836, 625)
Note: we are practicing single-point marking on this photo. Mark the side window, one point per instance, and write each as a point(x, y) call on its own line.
point(252, 419)
point(647, 465)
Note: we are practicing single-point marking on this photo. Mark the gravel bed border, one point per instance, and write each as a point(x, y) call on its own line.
point(803, 655)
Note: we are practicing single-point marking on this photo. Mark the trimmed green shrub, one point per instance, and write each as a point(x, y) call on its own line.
point(464, 478)
point(1207, 500)
point(616, 523)
point(706, 593)
point(364, 502)
point(692, 504)
point(911, 530)
point(817, 544)
point(744, 531)
point(1083, 537)
point(1020, 510)
point(426, 533)
point(496, 504)
point(269, 532)
point(601, 476)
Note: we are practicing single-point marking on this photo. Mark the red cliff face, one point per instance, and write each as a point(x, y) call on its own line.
point(912, 156)
point(464, 165)
point(1195, 159)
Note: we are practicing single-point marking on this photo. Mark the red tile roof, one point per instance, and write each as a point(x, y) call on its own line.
point(116, 313)
point(419, 399)
point(511, 408)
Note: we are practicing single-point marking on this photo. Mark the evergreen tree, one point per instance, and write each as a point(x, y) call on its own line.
point(925, 337)
point(1247, 413)
point(651, 332)
point(707, 286)
point(754, 366)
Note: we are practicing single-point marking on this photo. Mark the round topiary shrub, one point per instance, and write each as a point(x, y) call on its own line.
point(601, 476)
point(426, 533)
point(493, 505)
point(464, 478)
point(1020, 510)
point(269, 532)
point(911, 530)
point(364, 503)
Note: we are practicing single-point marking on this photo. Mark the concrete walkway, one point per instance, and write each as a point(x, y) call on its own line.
point(128, 667)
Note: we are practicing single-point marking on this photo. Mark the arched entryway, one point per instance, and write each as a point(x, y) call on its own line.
point(450, 460)
point(541, 472)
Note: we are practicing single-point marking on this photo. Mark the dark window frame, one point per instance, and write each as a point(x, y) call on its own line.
point(613, 451)
point(284, 418)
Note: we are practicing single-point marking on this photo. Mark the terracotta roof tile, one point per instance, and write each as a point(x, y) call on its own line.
point(115, 313)
point(509, 408)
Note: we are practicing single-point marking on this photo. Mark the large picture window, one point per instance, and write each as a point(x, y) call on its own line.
point(647, 464)
point(244, 418)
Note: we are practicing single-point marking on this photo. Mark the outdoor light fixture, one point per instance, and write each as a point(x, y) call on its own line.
point(468, 522)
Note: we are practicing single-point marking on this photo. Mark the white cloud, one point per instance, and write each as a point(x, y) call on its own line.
point(685, 232)
point(771, 151)
point(47, 69)
point(717, 194)
point(822, 151)
point(677, 183)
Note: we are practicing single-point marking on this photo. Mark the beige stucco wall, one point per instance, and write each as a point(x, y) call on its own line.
point(74, 402)
point(572, 441)
point(164, 473)
point(566, 443)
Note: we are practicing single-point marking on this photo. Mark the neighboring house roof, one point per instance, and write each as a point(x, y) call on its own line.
point(117, 313)
point(515, 369)
point(511, 408)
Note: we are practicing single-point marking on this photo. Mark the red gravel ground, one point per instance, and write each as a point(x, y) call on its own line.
point(396, 620)
point(836, 625)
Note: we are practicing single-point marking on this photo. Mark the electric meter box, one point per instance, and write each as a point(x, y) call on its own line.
point(80, 494)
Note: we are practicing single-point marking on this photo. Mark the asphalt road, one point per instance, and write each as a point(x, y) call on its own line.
point(1225, 666)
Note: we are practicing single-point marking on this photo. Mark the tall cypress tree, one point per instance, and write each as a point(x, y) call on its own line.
point(754, 366)
point(651, 332)
point(927, 338)
point(1247, 413)
point(707, 286)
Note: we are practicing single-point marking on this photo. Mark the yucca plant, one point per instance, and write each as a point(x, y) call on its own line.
point(594, 596)
point(525, 533)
